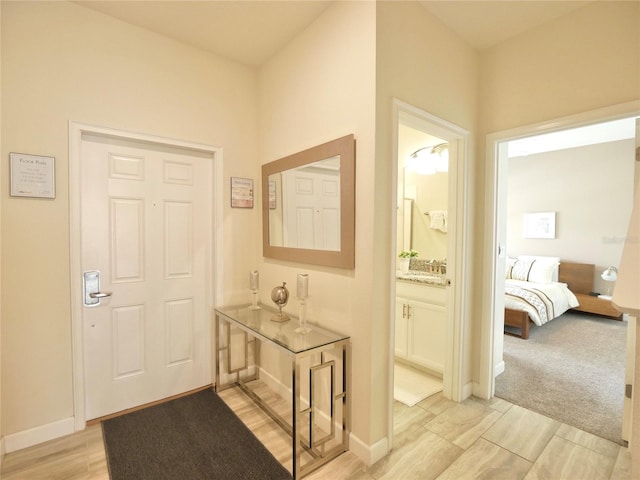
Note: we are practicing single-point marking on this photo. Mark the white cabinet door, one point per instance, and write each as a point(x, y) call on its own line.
point(426, 335)
point(401, 328)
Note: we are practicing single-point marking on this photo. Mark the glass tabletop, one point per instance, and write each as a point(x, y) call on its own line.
point(282, 333)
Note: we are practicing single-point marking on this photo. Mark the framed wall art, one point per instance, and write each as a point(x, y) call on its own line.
point(241, 192)
point(540, 225)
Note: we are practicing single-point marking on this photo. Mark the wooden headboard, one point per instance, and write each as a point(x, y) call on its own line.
point(579, 276)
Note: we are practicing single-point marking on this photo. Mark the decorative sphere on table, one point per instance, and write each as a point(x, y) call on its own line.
point(280, 295)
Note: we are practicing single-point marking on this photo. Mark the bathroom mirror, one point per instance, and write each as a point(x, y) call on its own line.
point(308, 205)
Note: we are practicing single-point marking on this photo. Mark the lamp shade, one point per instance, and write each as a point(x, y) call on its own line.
point(610, 274)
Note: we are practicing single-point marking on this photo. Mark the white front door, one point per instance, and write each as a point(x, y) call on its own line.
point(146, 228)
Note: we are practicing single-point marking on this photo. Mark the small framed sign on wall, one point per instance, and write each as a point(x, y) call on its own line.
point(32, 175)
point(241, 192)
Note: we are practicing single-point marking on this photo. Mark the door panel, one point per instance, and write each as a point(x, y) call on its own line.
point(312, 213)
point(631, 353)
point(128, 340)
point(127, 235)
point(145, 221)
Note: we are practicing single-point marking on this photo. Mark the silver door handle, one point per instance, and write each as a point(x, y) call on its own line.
point(100, 294)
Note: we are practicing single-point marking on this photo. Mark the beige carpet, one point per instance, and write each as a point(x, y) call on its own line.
point(411, 386)
point(570, 369)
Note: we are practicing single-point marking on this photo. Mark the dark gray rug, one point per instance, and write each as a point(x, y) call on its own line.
point(193, 437)
point(570, 369)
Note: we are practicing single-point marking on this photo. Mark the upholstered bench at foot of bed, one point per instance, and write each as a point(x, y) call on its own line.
point(517, 319)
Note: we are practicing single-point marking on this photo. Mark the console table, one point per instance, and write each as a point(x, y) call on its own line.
point(318, 425)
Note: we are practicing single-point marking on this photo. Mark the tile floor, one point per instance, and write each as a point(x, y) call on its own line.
point(435, 439)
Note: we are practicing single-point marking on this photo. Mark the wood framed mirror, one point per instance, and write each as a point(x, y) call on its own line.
point(308, 205)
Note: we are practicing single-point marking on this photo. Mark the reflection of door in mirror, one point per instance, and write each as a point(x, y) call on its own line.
point(310, 207)
point(304, 208)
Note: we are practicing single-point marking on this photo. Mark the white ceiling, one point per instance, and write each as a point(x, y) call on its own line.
point(249, 32)
point(484, 23)
point(252, 31)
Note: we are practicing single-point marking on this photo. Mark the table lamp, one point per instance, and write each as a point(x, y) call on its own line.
point(609, 275)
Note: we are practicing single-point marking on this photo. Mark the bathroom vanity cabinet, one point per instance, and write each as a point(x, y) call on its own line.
point(420, 324)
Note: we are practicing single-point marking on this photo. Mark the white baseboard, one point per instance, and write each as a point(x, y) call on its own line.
point(40, 434)
point(368, 454)
point(276, 385)
point(467, 390)
point(498, 369)
point(476, 390)
point(322, 419)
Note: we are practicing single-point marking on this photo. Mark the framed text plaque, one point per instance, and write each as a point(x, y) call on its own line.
point(241, 192)
point(32, 175)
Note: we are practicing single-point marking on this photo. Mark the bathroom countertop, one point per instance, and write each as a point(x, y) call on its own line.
point(416, 276)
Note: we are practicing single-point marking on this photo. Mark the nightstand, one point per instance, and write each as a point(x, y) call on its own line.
point(597, 306)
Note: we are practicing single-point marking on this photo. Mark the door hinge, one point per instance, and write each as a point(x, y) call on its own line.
point(628, 391)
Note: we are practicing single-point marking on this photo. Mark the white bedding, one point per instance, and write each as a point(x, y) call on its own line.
point(542, 301)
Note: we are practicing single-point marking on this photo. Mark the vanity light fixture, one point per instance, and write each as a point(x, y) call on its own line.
point(429, 160)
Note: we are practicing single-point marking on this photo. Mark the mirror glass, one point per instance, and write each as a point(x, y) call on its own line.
point(422, 195)
point(308, 202)
point(304, 206)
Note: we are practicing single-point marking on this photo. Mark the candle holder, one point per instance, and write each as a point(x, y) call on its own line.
point(254, 282)
point(303, 328)
point(254, 300)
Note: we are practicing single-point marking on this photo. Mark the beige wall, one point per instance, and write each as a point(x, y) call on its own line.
point(420, 62)
point(320, 87)
point(583, 61)
point(592, 210)
point(431, 194)
point(63, 62)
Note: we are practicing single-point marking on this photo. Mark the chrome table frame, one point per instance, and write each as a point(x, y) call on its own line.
point(257, 328)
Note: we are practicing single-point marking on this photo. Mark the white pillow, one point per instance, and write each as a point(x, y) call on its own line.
point(509, 266)
point(543, 269)
point(521, 269)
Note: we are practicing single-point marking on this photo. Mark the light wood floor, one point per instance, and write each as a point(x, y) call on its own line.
point(436, 439)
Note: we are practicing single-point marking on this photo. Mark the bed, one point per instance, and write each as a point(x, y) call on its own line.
point(539, 289)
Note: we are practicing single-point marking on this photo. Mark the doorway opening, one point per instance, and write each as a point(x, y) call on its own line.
point(505, 226)
point(183, 315)
point(427, 310)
